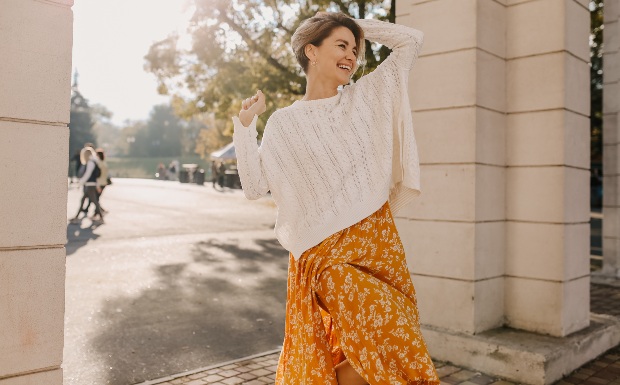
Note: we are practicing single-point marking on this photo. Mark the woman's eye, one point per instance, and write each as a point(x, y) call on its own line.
point(342, 46)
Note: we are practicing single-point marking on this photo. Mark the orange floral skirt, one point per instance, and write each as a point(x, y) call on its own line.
point(351, 297)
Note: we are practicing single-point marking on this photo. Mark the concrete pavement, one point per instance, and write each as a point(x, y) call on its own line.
point(178, 277)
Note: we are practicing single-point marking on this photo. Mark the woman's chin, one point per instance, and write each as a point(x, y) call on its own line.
point(344, 82)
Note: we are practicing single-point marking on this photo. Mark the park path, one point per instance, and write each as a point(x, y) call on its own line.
point(178, 277)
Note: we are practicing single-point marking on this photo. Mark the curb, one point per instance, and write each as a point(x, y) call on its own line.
point(194, 371)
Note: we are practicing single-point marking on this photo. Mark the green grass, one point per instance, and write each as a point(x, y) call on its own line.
point(147, 167)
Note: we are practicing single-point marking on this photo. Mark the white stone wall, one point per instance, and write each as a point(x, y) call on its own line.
point(500, 96)
point(35, 70)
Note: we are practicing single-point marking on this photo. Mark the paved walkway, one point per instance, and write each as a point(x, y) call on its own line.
point(260, 369)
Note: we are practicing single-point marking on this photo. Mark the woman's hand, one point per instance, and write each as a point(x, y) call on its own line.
point(252, 106)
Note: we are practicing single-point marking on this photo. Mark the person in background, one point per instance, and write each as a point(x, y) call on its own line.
point(92, 171)
point(213, 173)
point(79, 167)
point(172, 170)
point(161, 172)
point(221, 174)
point(102, 181)
point(104, 178)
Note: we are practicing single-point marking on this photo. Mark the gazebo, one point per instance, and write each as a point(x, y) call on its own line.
point(225, 153)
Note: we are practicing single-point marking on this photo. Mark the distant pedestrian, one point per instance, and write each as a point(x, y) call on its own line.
point(102, 181)
point(79, 167)
point(213, 173)
point(92, 171)
point(161, 173)
point(173, 169)
point(221, 174)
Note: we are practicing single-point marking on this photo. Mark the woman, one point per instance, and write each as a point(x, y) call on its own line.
point(102, 181)
point(88, 157)
point(337, 162)
point(104, 177)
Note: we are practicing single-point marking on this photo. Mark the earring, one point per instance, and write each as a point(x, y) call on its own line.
point(313, 63)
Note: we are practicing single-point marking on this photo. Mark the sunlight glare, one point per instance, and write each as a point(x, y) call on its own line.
point(111, 38)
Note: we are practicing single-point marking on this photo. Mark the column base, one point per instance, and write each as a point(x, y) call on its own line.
point(50, 376)
point(522, 356)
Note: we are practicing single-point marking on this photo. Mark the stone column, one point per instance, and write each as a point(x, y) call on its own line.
point(35, 71)
point(548, 162)
point(454, 233)
point(611, 139)
point(500, 234)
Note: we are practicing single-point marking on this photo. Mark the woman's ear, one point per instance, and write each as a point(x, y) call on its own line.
point(310, 52)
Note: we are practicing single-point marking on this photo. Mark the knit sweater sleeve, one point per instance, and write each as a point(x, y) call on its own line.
point(389, 82)
point(405, 42)
point(249, 163)
point(90, 167)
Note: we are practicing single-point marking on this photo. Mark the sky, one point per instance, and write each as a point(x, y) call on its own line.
point(110, 39)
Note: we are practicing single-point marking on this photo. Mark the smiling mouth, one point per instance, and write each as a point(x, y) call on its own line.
point(344, 67)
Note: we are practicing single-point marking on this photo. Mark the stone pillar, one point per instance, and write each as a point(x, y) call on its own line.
point(611, 139)
point(35, 72)
point(548, 162)
point(500, 234)
point(455, 232)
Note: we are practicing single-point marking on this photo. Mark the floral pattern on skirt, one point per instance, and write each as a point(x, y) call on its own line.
point(351, 297)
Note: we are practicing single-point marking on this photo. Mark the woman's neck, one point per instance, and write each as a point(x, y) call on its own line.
point(316, 90)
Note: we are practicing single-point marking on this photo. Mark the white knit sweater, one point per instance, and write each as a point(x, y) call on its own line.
point(329, 163)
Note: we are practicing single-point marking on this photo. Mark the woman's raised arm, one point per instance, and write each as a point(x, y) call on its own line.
point(405, 42)
point(249, 164)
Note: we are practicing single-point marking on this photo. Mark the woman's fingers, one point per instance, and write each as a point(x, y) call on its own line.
point(247, 103)
point(259, 98)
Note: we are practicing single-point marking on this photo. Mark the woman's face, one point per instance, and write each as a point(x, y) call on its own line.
point(336, 57)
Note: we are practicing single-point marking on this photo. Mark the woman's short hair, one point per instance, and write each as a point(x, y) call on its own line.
point(315, 29)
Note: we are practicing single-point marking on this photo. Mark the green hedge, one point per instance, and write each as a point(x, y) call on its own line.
point(147, 167)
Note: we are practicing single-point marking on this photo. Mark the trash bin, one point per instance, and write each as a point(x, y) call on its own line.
point(199, 177)
point(232, 179)
point(184, 176)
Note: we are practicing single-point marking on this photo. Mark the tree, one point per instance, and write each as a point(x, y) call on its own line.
point(107, 133)
point(240, 46)
point(127, 142)
point(596, 81)
point(80, 122)
point(163, 132)
point(211, 137)
point(159, 136)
